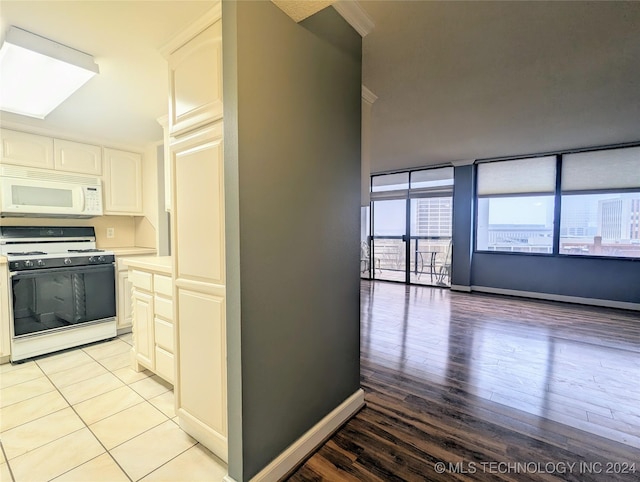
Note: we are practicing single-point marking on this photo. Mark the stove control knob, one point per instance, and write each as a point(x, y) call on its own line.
point(101, 259)
point(92, 259)
point(41, 263)
point(67, 260)
point(28, 264)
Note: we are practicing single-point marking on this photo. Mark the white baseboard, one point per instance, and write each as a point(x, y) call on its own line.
point(552, 297)
point(305, 445)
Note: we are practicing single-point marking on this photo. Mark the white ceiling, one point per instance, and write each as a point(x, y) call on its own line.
point(454, 80)
point(121, 104)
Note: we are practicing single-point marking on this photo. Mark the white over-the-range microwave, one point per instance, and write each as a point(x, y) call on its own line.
point(26, 191)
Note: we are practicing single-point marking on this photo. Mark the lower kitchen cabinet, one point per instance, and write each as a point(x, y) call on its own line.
point(123, 294)
point(152, 310)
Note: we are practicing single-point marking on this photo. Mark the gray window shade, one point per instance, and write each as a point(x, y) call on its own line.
point(432, 183)
point(390, 186)
point(390, 182)
point(522, 176)
point(601, 170)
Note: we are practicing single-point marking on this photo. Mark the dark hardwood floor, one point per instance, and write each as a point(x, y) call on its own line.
point(463, 386)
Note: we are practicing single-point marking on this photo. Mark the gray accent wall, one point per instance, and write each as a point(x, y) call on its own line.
point(597, 278)
point(292, 154)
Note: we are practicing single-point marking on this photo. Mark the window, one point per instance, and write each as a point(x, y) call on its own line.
point(598, 193)
point(516, 205)
point(601, 203)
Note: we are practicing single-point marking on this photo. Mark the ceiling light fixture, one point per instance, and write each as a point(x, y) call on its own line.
point(38, 74)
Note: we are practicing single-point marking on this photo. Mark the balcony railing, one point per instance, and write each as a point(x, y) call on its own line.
point(429, 259)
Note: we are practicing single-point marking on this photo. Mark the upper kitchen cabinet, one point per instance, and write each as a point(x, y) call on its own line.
point(122, 182)
point(76, 157)
point(32, 150)
point(195, 76)
point(26, 149)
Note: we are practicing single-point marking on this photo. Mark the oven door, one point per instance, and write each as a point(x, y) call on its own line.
point(55, 299)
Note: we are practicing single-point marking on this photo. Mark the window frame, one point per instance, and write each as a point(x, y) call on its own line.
point(555, 253)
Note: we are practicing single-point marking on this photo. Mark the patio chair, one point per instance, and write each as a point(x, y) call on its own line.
point(365, 258)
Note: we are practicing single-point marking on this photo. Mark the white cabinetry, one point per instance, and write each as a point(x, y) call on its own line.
point(122, 182)
point(197, 209)
point(123, 286)
point(124, 301)
point(76, 157)
point(163, 327)
point(31, 150)
point(195, 81)
point(26, 149)
point(153, 328)
point(200, 292)
point(142, 324)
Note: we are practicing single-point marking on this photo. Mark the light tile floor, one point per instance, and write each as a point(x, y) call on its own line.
point(84, 415)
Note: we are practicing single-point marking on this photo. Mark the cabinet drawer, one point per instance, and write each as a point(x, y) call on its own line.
point(164, 334)
point(164, 308)
point(162, 284)
point(164, 364)
point(141, 280)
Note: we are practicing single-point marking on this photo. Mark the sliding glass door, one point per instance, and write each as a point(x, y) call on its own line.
point(388, 245)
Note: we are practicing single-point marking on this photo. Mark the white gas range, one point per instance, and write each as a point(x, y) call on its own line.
point(62, 289)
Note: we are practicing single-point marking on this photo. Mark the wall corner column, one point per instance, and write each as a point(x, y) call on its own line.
point(463, 232)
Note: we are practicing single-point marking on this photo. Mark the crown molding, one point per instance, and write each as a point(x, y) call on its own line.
point(355, 15)
point(368, 96)
point(178, 40)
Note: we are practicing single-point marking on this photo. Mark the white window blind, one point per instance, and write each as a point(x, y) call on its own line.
point(390, 186)
point(432, 183)
point(601, 170)
point(523, 176)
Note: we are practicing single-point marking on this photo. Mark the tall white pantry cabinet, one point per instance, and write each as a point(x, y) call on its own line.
point(197, 206)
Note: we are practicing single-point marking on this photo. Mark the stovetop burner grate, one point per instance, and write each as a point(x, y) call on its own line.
point(89, 250)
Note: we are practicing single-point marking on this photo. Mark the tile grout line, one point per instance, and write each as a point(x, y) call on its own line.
point(87, 427)
point(144, 399)
point(7, 461)
point(56, 388)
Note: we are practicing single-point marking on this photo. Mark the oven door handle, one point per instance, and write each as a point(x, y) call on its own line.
point(32, 273)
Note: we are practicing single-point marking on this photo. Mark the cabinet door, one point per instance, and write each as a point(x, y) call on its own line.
point(143, 328)
point(198, 207)
point(26, 149)
point(199, 285)
point(195, 81)
point(124, 301)
point(77, 157)
point(122, 182)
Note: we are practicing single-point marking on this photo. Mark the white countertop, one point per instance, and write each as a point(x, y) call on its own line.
point(130, 250)
point(159, 264)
